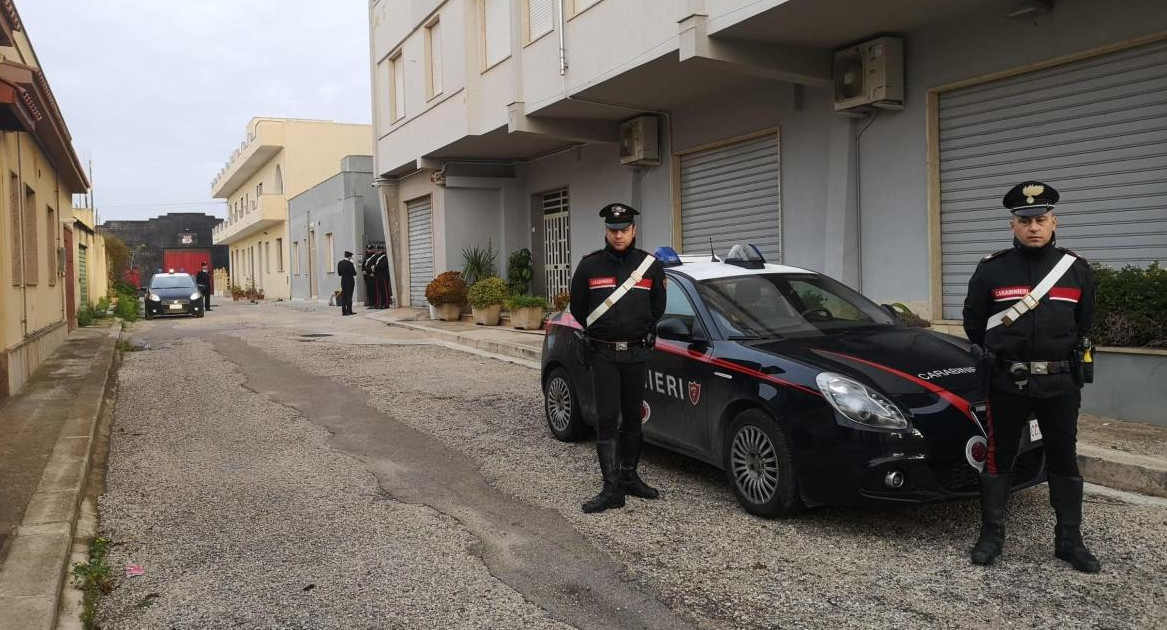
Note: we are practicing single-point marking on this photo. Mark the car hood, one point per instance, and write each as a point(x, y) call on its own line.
point(174, 294)
point(898, 361)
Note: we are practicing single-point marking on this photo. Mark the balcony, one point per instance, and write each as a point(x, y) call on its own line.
point(264, 142)
point(271, 210)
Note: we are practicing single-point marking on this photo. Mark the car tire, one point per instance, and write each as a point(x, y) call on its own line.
point(198, 313)
point(561, 406)
point(759, 467)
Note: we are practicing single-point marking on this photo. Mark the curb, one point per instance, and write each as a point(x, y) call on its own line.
point(486, 345)
point(35, 571)
point(1123, 471)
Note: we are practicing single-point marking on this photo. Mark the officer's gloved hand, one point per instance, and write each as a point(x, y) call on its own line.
point(985, 359)
point(650, 340)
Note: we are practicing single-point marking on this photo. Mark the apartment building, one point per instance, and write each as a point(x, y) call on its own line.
point(868, 140)
point(39, 173)
point(279, 159)
point(90, 261)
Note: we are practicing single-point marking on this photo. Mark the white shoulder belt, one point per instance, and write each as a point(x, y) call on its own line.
point(611, 300)
point(1031, 300)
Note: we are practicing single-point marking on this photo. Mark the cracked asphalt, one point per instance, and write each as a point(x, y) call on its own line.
point(365, 478)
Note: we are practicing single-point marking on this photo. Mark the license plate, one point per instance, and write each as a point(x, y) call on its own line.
point(176, 306)
point(1034, 431)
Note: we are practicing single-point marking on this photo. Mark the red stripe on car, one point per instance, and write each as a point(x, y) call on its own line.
point(676, 349)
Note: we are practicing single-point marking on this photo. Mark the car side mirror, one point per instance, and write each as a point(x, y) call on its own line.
point(673, 328)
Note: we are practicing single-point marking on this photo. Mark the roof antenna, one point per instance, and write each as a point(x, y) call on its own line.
point(712, 256)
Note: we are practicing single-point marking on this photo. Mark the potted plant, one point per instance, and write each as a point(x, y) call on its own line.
point(237, 293)
point(478, 263)
point(447, 292)
point(520, 271)
point(561, 301)
point(486, 299)
point(526, 311)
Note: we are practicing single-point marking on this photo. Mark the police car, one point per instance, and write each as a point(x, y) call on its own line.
point(805, 392)
point(173, 294)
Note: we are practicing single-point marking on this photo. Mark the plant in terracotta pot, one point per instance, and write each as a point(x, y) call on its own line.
point(526, 311)
point(447, 293)
point(486, 298)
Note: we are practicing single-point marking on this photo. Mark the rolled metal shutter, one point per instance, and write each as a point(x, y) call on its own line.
point(731, 194)
point(421, 249)
point(83, 273)
point(1095, 129)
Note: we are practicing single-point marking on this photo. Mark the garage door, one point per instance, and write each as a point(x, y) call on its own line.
point(1095, 129)
point(421, 249)
point(731, 194)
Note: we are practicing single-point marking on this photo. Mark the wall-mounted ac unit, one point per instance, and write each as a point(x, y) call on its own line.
point(870, 75)
point(639, 141)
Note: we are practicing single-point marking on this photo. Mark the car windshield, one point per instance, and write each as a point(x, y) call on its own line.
point(172, 282)
point(777, 305)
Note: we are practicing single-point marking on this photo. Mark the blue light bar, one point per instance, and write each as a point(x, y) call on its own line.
point(747, 256)
point(667, 256)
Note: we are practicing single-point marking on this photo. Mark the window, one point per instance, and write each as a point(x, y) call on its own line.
point(331, 255)
point(280, 255)
point(51, 250)
point(433, 59)
point(579, 6)
point(14, 203)
point(397, 88)
point(496, 31)
point(537, 19)
point(32, 270)
point(295, 258)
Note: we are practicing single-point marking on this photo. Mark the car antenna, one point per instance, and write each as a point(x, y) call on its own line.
point(712, 256)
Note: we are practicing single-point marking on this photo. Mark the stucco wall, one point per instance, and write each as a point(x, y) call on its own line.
point(338, 206)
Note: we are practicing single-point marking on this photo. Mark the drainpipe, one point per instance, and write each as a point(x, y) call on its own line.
point(859, 201)
point(562, 40)
point(20, 220)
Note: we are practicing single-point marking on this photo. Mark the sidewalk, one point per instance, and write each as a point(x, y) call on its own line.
point(46, 443)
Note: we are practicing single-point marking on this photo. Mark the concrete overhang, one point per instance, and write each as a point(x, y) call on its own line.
point(32, 108)
point(267, 143)
point(270, 211)
point(498, 145)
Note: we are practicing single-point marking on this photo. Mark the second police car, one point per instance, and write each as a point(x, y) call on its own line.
point(805, 392)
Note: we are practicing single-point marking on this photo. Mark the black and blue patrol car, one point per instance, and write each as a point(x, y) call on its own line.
point(805, 392)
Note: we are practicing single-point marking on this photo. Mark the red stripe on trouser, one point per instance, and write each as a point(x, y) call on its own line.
point(991, 458)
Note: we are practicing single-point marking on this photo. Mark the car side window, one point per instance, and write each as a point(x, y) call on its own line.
point(679, 307)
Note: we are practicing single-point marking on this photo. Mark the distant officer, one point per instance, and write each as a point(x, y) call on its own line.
point(618, 294)
point(348, 280)
point(367, 272)
point(381, 279)
point(1027, 311)
point(203, 280)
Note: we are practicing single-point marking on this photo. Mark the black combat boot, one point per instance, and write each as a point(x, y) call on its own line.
point(630, 482)
point(611, 496)
point(1065, 495)
point(994, 495)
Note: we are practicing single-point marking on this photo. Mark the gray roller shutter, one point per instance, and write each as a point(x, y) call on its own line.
point(421, 249)
point(83, 273)
point(1095, 129)
point(731, 193)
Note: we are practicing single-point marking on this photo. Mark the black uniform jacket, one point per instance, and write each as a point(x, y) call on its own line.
point(1046, 333)
point(381, 266)
point(346, 270)
point(636, 314)
point(203, 278)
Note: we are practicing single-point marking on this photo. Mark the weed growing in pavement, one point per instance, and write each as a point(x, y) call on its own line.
point(127, 346)
point(93, 579)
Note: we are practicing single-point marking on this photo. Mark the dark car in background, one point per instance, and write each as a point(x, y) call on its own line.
point(173, 294)
point(804, 391)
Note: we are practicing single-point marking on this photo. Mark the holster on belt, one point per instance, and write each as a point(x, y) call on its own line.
point(1082, 362)
point(985, 363)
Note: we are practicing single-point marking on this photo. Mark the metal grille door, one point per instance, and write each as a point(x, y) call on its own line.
point(421, 249)
point(556, 242)
point(731, 194)
point(83, 273)
point(1095, 129)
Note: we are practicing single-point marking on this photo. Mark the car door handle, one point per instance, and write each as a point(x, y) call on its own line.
point(723, 375)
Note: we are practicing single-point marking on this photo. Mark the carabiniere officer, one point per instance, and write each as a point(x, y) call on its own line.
point(1027, 313)
point(618, 295)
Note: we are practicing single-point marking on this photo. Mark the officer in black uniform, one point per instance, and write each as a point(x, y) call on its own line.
point(1030, 340)
point(381, 278)
point(203, 280)
point(348, 280)
point(619, 332)
point(367, 271)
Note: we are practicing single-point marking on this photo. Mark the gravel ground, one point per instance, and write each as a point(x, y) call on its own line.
point(245, 518)
point(695, 548)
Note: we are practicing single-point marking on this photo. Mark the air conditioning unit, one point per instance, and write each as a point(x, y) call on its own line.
point(870, 75)
point(639, 143)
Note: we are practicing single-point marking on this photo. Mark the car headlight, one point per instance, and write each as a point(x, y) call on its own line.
point(859, 403)
point(196, 295)
point(153, 297)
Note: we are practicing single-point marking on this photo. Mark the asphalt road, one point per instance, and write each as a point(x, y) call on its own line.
point(274, 468)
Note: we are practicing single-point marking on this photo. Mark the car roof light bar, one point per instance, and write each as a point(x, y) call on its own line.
point(747, 256)
point(667, 256)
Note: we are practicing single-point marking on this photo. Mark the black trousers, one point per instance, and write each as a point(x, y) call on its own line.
point(206, 291)
point(346, 295)
point(1008, 416)
point(619, 391)
point(370, 291)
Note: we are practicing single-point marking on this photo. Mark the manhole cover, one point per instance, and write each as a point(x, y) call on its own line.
point(314, 335)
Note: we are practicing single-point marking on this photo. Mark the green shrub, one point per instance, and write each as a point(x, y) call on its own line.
point(127, 307)
point(1130, 306)
point(524, 301)
point(479, 263)
point(519, 271)
point(102, 306)
point(488, 292)
point(447, 288)
point(84, 316)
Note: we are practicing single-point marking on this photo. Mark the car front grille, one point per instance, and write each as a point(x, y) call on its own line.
point(960, 477)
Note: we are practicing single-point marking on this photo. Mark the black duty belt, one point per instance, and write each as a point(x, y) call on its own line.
point(618, 346)
point(1037, 367)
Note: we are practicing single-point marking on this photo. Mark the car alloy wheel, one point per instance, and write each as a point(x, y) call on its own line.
point(562, 407)
point(755, 465)
point(758, 463)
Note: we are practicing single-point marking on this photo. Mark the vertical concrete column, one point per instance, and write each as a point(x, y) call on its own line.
point(387, 197)
point(841, 253)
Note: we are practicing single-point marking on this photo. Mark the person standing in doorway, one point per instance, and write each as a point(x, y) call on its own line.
point(203, 280)
point(367, 273)
point(1027, 313)
point(381, 275)
point(348, 281)
point(618, 295)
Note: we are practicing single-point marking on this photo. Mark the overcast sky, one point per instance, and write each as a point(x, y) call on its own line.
point(157, 93)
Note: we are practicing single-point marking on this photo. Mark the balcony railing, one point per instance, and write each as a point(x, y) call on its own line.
point(257, 215)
